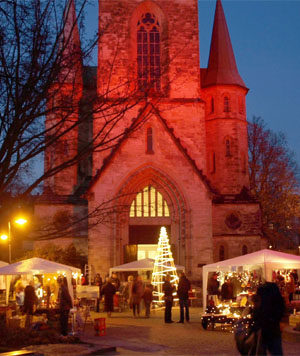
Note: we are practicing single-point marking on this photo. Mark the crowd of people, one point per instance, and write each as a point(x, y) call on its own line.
point(135, 291)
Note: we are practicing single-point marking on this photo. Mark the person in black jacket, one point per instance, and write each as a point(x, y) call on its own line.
point(30, 301)
point(65, 304)
point(168, 290)
point(108, 290)
point(184, 286)
point(269, 308)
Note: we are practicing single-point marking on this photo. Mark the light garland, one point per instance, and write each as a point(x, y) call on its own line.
point(163, 265)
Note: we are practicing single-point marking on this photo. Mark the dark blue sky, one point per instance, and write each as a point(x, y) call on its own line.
point(266, 40)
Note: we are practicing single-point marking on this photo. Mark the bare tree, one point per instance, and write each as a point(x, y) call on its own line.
point(274, 180)
point(41, 96)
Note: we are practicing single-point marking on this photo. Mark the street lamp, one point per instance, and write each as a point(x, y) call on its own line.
point(19, 221)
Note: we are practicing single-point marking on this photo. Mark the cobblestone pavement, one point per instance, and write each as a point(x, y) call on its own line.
point(140, 336)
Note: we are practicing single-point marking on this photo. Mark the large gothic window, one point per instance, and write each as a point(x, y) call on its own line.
point(149, 203)
point(148, 53)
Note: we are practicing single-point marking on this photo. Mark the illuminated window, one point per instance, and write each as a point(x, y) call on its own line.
point(244, 250)
point(226, 104)
point(149, 203)
point(148, 53)
point(149, 140)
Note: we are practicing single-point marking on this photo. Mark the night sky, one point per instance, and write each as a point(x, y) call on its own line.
point(266, 40)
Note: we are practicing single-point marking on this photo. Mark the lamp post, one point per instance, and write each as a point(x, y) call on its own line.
point(19, 221)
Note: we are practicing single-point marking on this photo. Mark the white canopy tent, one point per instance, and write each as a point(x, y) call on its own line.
point(144, 265)
point(36, 266)
point(2, 278)
point(266, 260)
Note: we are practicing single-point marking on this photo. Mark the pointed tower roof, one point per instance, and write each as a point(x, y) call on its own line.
point(71, 49)
point(222, 67)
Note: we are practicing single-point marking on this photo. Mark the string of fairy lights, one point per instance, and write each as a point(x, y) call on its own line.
point(163, 265)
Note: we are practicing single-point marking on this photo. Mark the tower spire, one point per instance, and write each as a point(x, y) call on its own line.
point(71, 50)
point(222, 68)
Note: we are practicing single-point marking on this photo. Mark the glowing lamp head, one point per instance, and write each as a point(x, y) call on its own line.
point(21, 221)
point(4, 237)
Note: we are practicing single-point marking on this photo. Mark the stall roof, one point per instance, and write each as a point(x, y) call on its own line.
point(36, 265)
point(267, 260)
point(262, 257)
point(146, 264)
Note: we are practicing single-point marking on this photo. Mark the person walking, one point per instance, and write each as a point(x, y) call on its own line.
point(108, 291)
point(30, 302)
point(184, 286)
point(148, 297)
point(65, 304)
point(137, 292)
point(168, 290)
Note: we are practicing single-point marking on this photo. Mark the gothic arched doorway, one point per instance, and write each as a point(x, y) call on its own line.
point(152, 200)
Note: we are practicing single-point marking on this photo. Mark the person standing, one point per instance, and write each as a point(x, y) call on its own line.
point(98, 283)
point(108, 291)
point(148, 296)
point(65, 304)
point(227, 290)
point(269, 308)
point(137, 292)
point(30, 302)
point(115, 281)
point(290, 287)
point(168, 290)
point(184, 286)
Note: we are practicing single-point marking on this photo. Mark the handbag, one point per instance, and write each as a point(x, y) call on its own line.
point(247, 341)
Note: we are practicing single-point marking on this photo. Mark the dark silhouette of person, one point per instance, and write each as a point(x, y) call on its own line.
point(168, 290)
point(65, 304)
point(108, 291)
point(213, 285)
point(30, 300)
point(227, 290)
point(269, 308)
point(184, 286)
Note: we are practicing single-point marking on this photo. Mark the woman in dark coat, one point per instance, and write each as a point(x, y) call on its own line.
point(108, 290)
point(269, 308)
point(65, 304)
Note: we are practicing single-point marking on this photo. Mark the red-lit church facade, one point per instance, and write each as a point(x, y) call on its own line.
point(185, 167)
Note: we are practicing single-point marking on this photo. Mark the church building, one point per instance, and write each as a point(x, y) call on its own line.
point(181, 159)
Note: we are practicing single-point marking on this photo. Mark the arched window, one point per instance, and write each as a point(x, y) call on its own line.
point(244, 250)
point(226, 104)
point(149, 203)
point(221, 253)
point(212, 105)
point(212, 162)
point(227, 147)
point(149, 140)
point(148, 53)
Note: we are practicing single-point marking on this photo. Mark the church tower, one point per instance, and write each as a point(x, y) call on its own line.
point(175, 141)
point(64, 100)
point(226, 127)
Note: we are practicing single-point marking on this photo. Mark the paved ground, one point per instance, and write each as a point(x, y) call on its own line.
point(143, 337)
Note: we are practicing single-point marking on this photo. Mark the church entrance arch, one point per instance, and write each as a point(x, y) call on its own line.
point(152, 200)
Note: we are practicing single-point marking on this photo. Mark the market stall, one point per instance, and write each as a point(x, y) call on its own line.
point(39, 267)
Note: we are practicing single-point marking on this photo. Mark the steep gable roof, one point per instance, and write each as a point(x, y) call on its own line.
point(150, 108)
